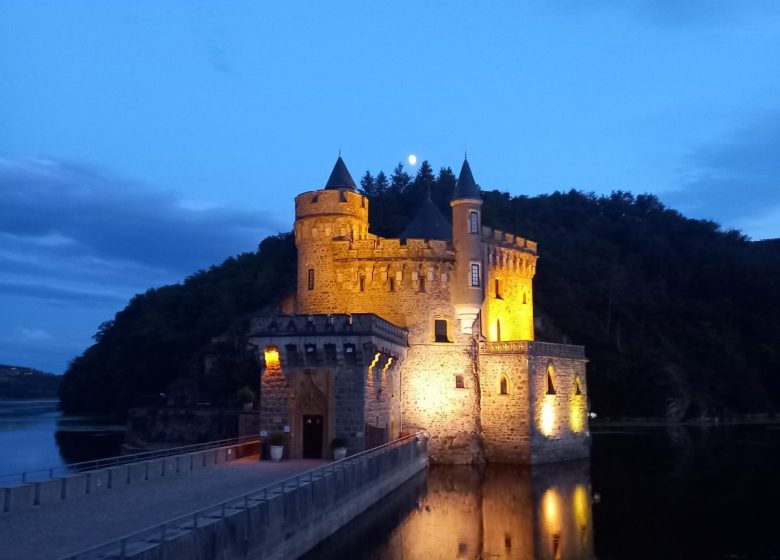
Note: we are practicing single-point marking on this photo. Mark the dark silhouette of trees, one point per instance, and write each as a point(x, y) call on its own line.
point(679, 318)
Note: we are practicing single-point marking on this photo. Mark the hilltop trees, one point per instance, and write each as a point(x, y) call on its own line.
point(679, 318)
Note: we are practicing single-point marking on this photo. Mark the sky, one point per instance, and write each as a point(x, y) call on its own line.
point(142, 141)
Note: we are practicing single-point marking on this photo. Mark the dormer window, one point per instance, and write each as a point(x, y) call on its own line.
point(473, 222)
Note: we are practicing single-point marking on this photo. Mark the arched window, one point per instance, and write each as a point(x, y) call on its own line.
point(503, 385)
point(550, 379)
point(577, 386)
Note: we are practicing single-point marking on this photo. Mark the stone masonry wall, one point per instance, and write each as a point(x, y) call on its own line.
point(559, 423)
point(505, 417)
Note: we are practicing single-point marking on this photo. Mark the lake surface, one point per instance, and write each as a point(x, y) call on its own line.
point(35, 435)
point(646, 493)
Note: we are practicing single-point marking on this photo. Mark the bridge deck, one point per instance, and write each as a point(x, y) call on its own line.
point(72, 525)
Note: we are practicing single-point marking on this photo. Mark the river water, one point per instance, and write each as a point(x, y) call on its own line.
point(680, 492)
point(35, 435)
point(646, 493)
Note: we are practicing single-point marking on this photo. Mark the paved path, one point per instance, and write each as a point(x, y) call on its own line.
point(72, 525)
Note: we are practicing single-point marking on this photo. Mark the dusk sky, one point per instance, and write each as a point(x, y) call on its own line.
point(142, 141)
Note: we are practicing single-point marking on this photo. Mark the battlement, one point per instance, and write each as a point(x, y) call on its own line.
point(374, 247)
point(355, 324)
point(510, 240)
point(331, 202)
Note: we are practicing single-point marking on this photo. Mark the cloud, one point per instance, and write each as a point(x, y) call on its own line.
point(737, 178)
point(32, 335)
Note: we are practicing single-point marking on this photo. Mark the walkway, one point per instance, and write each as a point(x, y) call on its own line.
point(72, 525)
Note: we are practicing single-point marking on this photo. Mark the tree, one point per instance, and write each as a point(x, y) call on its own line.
point(399, 180)
point(367, 185)
point(381, 184)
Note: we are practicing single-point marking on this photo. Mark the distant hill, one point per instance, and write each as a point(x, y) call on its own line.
point(679, 318)
point(17, 382)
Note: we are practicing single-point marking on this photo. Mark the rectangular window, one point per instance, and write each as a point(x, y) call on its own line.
point(422, 283)
point(459, 383)
point(498, 289)
point(311, 278)
point(392, 284)
point(473, 222)
point(475, 275)
point(362, 284)
point(440, 331)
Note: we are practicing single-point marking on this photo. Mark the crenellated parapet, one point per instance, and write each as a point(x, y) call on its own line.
point(509, 240)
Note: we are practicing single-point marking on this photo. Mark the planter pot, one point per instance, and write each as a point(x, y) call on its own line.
point(276, 452)
point(339, 453)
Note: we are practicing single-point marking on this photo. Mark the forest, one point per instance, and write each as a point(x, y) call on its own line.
point(680, 319)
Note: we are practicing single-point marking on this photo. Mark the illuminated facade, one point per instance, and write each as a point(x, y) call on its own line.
point(446, 338)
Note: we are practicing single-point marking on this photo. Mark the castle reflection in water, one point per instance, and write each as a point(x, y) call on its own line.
point(497, 511)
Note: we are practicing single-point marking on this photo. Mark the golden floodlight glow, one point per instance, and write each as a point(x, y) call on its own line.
point(581, 506)
point(577, 414)
point(272, 359)
point(551, 511)
point(547, 416)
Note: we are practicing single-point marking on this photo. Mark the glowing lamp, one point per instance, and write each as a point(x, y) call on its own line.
point(272, 358)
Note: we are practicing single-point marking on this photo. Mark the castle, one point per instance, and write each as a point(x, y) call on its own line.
point(433, 331)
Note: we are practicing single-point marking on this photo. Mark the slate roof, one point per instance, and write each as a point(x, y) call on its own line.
point(340, 177)
point(428, 223)
point(466, 187)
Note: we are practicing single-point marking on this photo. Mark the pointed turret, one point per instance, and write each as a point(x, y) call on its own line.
point(466, 187)
point(469, 278)
point(340, 177)
point(428, 223)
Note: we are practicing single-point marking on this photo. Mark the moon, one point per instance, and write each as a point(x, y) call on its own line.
point(412, 159)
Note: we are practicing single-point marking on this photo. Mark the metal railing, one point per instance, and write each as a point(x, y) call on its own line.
point(39, 475)
point(158, 534)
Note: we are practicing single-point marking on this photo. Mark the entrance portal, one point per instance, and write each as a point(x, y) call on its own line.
point(312, 436)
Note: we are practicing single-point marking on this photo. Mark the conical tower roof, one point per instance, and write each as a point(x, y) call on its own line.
point(466, 187)
point(340, 177)
point(428, 223)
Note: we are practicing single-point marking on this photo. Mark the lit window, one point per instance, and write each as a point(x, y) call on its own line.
point(459, 382)
point(550, 379)
point(311, 278)
point(503, 386)
point(475, 275)
point(473, 222)
point(440, 333)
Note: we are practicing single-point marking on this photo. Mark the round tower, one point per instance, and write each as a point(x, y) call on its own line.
point(469, 274)
point(323, 218)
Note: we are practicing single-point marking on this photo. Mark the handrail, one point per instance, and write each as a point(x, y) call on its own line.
point(39, 475)
point(159, 533)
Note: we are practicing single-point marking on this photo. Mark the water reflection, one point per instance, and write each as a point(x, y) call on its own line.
point(35, 435)
point(498, 511)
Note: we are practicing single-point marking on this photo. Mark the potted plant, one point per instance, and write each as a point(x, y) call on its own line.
point(276, 441)
point(339, 447)
point(246, 396)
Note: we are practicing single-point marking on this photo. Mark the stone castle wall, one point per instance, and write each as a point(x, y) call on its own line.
point(559, 423)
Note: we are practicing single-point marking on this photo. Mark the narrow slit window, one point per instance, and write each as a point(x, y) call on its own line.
point(459, 382)
point(497, 286)
point(503, 386)
point(498, 330)
point(311, 278)
point(392, 284)
point(475, 275)
point(550, 380)
point(473, 222)
point(422, 283)
point(362, 284)
point(440, 331)
point(577, 386)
